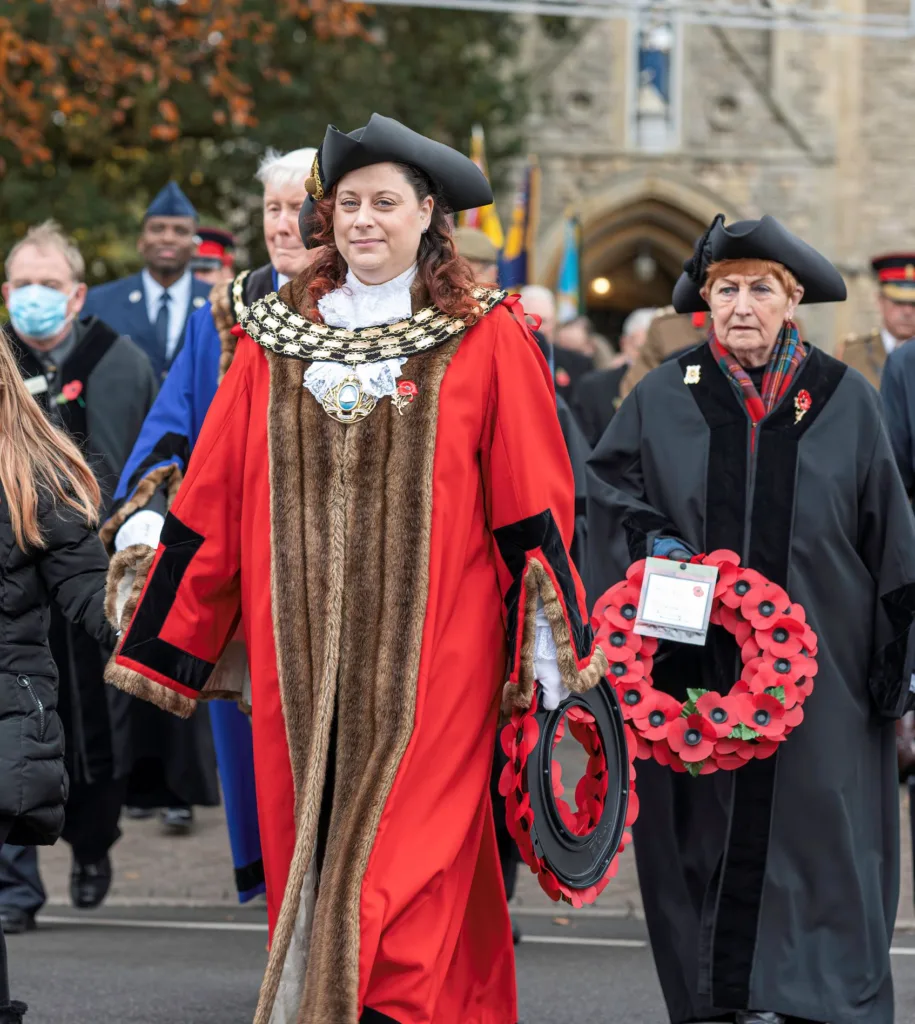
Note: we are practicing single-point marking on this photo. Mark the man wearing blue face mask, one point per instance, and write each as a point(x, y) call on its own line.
point(98, 386)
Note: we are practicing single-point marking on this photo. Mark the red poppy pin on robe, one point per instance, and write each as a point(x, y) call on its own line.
point(406, 392)
point(802, 403)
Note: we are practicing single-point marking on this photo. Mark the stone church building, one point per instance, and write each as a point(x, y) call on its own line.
point(647, 130)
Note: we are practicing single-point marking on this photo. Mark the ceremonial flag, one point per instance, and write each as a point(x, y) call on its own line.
point(568, 292)
point(516, 261)
point(483, 218)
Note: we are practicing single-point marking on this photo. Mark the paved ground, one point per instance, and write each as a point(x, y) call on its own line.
point(172, 946)
point(153, 868)
point(159, 965)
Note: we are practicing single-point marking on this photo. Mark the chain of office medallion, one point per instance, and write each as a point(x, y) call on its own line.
point(238, 294)
point(276, 327)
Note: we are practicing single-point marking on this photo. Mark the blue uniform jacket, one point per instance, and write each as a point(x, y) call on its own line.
point(122, 305)
point(167, 438)
point(897, 389)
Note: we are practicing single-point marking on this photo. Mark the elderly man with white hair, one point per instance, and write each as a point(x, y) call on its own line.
point(156, 468)
point(597, 394)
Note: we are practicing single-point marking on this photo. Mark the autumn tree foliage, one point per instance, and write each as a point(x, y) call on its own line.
point(98, 69)
point(101, 101)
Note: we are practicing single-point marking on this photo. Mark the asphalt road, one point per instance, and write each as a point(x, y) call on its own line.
point(198, 966)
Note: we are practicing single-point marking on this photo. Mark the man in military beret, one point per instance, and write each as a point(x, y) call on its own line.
point(477, 248)
point(215, 257)
point(867, 353)
point(152, 307)
point(669, 334)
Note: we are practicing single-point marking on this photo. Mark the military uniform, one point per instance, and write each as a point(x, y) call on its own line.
point(669, 334)
point(123, 304)
point(867, 353)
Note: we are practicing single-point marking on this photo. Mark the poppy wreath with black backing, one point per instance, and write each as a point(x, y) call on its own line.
point(711, 731)
point(519, 739)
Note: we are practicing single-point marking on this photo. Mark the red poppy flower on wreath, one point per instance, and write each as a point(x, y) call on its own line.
point(653, 718)
point(619, 606)
point(743, 585)
point(710, 731)
point(764, 604)
point(620, 645)
point(763, 713)
point(784, 638)
point(693, 738)
point(722, 713)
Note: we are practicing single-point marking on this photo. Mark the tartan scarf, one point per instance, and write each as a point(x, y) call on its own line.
point(784, 362)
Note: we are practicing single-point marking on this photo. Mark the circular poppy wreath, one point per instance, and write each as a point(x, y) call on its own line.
point(711, 731)
point(519, 738)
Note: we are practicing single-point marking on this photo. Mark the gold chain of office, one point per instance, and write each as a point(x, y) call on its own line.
point(276, 327)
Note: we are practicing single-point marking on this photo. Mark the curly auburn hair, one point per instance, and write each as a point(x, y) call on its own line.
point(443, 275)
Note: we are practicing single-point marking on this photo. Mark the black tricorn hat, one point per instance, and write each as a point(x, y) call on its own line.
point(463, 186)
point(763, 239)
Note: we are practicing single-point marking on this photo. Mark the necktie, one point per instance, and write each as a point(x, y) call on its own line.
point(162, 324)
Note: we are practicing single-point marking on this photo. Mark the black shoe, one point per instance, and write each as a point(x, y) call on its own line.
point(13, 1013)
point(139, 813)
point(89, 883)
point(178, 821)
point(516, 932)
point(15, 921)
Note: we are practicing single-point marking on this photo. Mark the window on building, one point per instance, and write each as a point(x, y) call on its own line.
point(655, 113)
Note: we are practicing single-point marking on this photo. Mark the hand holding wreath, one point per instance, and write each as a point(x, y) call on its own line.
point(711, 731)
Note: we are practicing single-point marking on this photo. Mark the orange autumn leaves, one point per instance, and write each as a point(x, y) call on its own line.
point(91, 67)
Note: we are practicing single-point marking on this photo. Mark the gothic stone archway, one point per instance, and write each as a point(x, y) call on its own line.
point(641, 214)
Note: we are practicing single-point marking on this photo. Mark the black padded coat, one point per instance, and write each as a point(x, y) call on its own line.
point(70, 571)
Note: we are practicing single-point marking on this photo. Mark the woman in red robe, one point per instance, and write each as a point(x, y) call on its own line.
point(381, 495)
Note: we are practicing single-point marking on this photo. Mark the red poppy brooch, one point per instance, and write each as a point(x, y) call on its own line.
point(406, 392)
point(70, 393)
point(802, 403)
point(710, 731)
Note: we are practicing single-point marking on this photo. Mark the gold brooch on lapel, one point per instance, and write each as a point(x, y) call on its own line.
point(693, 373)
point(802, 403)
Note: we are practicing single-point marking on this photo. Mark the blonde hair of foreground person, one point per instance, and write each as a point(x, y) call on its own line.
point(37, 459)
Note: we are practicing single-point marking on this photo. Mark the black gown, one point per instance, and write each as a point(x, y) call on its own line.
point(773, 887)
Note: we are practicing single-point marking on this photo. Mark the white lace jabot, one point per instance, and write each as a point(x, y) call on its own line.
point(356, 305)
point(353, 306)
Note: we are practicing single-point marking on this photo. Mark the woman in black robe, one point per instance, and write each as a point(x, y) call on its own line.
point(770, 891)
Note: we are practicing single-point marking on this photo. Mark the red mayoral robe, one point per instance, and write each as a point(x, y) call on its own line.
point(386, 572)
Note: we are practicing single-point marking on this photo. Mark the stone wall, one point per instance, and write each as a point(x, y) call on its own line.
point(813, 129)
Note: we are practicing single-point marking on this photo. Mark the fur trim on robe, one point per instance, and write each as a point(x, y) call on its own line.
point(170, 474)
point(368, 530)
point(126, 579)
point(575, 677)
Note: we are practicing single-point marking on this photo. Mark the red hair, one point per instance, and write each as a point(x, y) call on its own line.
point(444, 277)
point(752, 268)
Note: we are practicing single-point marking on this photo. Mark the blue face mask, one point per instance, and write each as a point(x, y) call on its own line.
point(37, 311)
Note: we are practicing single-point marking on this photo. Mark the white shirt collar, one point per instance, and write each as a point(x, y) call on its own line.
point(889, 342)
point(179, 295)
point(355, 305)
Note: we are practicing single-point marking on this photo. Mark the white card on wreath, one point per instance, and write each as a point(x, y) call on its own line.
point(676, 600)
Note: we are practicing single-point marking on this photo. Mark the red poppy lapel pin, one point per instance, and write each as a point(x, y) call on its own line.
point(802, 404)
point(71, 393)
point(406, 392)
